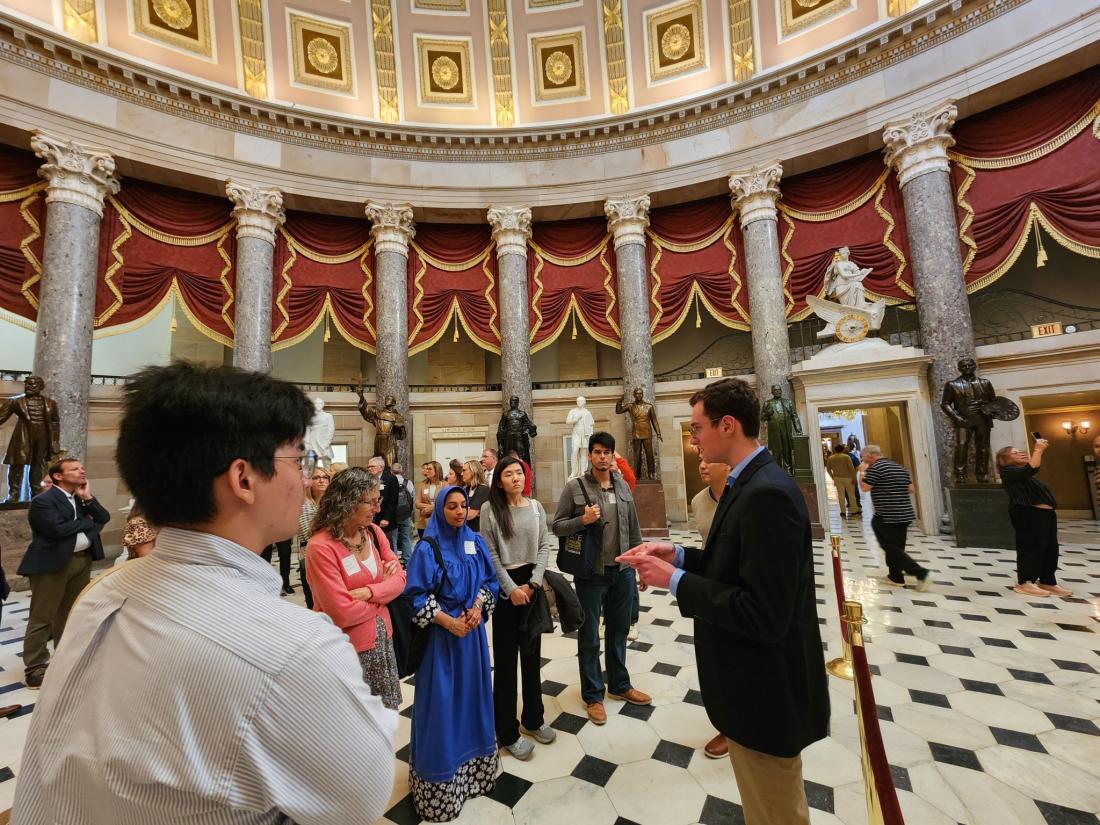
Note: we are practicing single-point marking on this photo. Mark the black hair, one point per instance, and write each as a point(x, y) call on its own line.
point(840, 448)
point(184, 424)
point(732, 397)
point(498, 499)
point(604, 439)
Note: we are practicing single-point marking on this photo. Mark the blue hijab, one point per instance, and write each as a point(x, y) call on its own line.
point(450, 539)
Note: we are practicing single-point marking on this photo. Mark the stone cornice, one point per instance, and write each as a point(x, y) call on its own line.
point(77, 174)
point(918, 144)
point(392, 226)
point(892, 41)
point(755, 192)
point(259, 212)
point(511, 229)
point(627, 219)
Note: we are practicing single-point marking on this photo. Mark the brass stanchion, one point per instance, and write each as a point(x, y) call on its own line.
point(841, 667)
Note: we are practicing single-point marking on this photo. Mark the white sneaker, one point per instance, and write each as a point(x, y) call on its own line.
point(521, 749)
point(544, 735)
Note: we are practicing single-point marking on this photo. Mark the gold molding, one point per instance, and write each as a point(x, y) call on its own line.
point(741, 52)
point(80, 20)
point(676, 40)
point(323, 57)
point(547, 4)
point(253, 53)
point(896, 8)
point(796, 15)
point(443, 70)
point(561, 53)
point(184, 24)
point(500, 48)
point(440, 5)
point(614, 47)
point(385, 65)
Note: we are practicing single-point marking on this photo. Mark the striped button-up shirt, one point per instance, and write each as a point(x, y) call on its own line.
point(188, 692)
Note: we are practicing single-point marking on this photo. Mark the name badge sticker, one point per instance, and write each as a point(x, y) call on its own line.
point(471, 548)
point(351, 565)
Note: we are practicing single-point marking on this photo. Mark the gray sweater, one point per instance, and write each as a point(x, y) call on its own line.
point(530, 543)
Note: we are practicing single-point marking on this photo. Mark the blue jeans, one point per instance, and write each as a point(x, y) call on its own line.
point(404, 541)
point(615, 594)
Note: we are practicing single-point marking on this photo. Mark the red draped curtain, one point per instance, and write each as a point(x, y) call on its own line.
point(855, 204)
point(22, 226)
point(453, 277)
point(571, 279)
point(696, 256)
point(1029, 167)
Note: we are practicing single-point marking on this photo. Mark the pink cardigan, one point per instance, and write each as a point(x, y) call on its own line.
point(331, 584)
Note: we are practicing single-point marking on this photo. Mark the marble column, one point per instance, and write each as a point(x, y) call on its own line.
point(627, 219)
point(917, 149)
point(259, 213)
point(79, 179)
point(755, 192)
point(392, 228)
point(511, 231)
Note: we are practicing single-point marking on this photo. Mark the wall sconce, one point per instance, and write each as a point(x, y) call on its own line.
point(1070, 427)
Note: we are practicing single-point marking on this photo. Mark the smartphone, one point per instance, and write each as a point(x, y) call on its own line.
point(1036, 435)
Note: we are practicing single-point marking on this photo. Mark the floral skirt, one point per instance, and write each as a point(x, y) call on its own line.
point(380, 668)
point(443, 801)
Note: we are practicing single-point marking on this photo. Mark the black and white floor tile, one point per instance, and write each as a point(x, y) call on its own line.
point(989, 701)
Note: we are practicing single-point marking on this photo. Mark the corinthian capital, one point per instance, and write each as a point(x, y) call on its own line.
point(511, 229)
point(259, 212)
point(627, 219)
point(392, 226)
point(77, 174)
point(918, 145)
point(755, 192)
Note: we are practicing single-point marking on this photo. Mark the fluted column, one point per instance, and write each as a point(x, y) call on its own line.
point(755, 192)
point(917, 149)
point(511, 231)
point(259, 213)
point(627, 219)
point(79, 179)
point(392, 228)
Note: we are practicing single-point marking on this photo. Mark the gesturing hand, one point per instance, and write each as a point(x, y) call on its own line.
point(651, 570)
point(663, 550)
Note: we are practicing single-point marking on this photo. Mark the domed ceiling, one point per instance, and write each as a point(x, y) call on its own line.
point(466, 63)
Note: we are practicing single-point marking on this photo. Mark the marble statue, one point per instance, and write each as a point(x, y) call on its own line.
point(643, 429)
point(850, 316)
point(35, 442)
point(320, 432)
point(782, 421)
point(583, 426)
point(966, 402)
point(515, 431)
point(844, 281)
point(389, 426)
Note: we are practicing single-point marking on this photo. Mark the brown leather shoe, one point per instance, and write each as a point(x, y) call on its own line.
point(634, 696)
point(717, 748)
point(9, 710)
point(597, 714)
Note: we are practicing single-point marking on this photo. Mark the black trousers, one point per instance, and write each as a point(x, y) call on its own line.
point(284, 559)
point(891, 537)
point(506, 649)
point(1036, 543)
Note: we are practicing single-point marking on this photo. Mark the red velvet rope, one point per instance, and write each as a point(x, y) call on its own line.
point(838, 584)
point(875, 751)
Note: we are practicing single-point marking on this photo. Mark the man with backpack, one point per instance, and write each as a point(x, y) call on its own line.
point(406, 495)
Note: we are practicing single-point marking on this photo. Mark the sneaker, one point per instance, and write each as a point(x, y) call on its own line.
point(544, 735)
point(521, 749)
point(924, 583)
point(1030, 589)
point(1055, 589)
point(717, 748)
point(632, 634)
point(633, 696)
point(596, 713)
point(891, 583)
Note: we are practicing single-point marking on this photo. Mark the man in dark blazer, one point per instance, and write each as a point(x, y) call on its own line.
point(65, 524)
point(751, 593)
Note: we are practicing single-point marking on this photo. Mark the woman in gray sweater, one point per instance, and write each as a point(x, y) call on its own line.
point(514, 528)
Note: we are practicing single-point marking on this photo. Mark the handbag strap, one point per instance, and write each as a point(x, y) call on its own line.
point(438, 558)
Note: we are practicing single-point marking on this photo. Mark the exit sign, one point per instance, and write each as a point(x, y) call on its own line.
point(1046, 330)
point(714, 372)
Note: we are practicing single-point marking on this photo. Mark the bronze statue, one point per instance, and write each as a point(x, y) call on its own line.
point(966, 401)
point(36, 439)
point(644, 427)
point(515, 431)
point(389, 426)
point(783, 424)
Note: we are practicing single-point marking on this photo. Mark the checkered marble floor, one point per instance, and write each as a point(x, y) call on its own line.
point(990, 706)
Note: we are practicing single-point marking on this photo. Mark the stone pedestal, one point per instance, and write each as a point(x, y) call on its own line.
point(649, 499)
point(15, 536)
point(979, 513)
point(804, 477)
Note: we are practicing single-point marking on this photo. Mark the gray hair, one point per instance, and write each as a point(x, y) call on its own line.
point(397, 469)
point(342, 498)
point(872, 449)
point(376, 459)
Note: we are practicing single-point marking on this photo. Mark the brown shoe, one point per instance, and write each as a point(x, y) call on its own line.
point(717, 748)
point(9, 710)
point(597, 714)
point(634, 696)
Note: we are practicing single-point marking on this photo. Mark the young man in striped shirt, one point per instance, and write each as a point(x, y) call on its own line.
point(891, 489)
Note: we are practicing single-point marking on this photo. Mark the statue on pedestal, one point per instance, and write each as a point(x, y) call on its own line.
point(583, 426)
point(389, 426)
point(36, 439)
point(850, 316)
point(643, 429)
point(320, 432)
point(515, 431)
point(782, 421)
point(971, 404)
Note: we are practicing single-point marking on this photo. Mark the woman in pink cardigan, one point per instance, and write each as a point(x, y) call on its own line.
point(354, 574)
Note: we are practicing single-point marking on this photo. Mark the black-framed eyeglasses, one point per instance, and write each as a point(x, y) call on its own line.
point(307, 462)
point(695, 429)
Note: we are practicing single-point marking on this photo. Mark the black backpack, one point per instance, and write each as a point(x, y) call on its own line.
point(404, 501)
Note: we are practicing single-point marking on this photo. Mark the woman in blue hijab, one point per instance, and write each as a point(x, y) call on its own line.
point(453, 754)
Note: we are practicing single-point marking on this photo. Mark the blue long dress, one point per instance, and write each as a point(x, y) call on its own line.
point(453, 753)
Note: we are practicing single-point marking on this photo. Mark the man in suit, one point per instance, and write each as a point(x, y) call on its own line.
point(751, 593)
point(65, 524)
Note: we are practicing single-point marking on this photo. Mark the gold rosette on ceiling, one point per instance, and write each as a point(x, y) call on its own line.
point(322, 55)
point(174, 13)
point(676, 41)
point(559, 68)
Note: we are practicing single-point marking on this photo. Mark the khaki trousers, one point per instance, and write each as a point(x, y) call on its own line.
point(771, 787)
point(52, 597)
point(846, 491)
